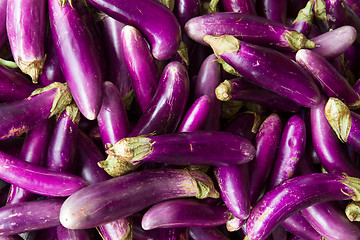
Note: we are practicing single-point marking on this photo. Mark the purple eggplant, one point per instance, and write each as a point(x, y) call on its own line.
point(19, 116)
point(75, 234)
point(243, 90)
point(245, 124)
point(112, 119)
point(168, 104)
point(274, 10)
point(187, 148)
point(186, 9)
point(240, 6)
point(247, 28)
point(184, 213)
point(78, 57)
point(156, 22)
point(267, 68)
point(298, 193)
point(25, 25)
point(140, 64)
point(196, 116)
point(198, 233)
point(119, 229)
point(172, 234)
point(134, 192)
point(29, 216)
point(3, 34)
point(304, 19)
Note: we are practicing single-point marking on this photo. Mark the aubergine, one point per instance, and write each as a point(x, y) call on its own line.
point(3, 35)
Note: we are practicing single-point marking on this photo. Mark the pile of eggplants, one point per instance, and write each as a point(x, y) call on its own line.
point(180, 119)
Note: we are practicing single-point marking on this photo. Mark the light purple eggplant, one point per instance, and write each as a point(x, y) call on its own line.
point(184, 213)
point(25, 26)
point(245, 124)
point(156, 22)
point(185, 10)
point(267, 68)
point(75, 234)
point(33, 151)
point(14, 86)
point(240, 6)
point(19, 116)
point(197, 233)
point(273, 10)
point(290, 151)
point(112, 119)
point(328, 147)
point(304, 19)
point(196, 116)
point(267, 141)
point(250, 28)
point(187, 148)
point(30, 216)
point(140, 64)
point(3, 34)
point(168, 104)
point(78, 57)
point(297, 193)
point(243, 90)
point(119, 229)
point(134, 192)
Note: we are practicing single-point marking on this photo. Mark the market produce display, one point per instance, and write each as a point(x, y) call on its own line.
point(180, 119)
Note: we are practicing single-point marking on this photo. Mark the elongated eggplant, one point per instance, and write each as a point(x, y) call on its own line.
point(25, 24)
point(168, 104)
point(304, 19)
point(296, 194)
point(246, 7)
point(248, 28)
point(140, 64)
point(187, 148)
point(29, 216)
point(3, 34)
point(273, 10)
point(158, 24)
point(78, 57)
point(19, 116)
point(185, 10)
point(134, 192)
point(198, 233)
point(267, 68)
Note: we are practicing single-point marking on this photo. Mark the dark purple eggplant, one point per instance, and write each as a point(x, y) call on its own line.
point(197, 233)
point(245, 124)
point(140, 64)
point(240, 6)
point(25, 26)
point(274, 10)
point(297, 193)
point(247, 28)
point(304, 19)
point(267, 68)
point(3, 34)
point(134, 192)
point(78, 57)
point(156, 22)
point(168, 104)
point(187, 148)
point(186, 9)
point(29, 216)
point(19, 116)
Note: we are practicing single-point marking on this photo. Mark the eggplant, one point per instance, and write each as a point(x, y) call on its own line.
point(66, 234)
point(25, 26)
point(247, 28)
point(304, 19)
point(140, 64)
point(198, 233)
point(172, 233)
point(240, 6)
point(134, 192)
point(298, 193)
point(119, 229)
point(185, 10)
point(184, 213)
point(78, 57)
point(19, 116)
point(273, 10)
point(245, 124)
point(156, 22)
point(267, 68)
point(3, 34)
point(187, 148)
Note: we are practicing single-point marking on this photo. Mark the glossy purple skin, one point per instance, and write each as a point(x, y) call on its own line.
point(302, 27)
point(335, 13)
point(196, 116)
point(156, 22)
point(244, 124)
point(37, 179)
point(25, 25)
point(240, 6)
point(328, 147)
point(134, 192)
point(333, 43)
point(14, 86)
point(184, 213)
point(34, 152)
point(267, 141)
point(29, 216)
point(197, 233)
point(251, 28)
point(117, 229)
point(207, 79)
point(273, 71)
point(185, 10)
point(78, 57)
point(233, 182)
point(168, 104)
point(274, 10)
point(3, 34)
point(290, 151)
point(213, 148)
point(244, 90)
point(118, 73)
point(296, 193)
point(140, 64)
point(353, 138)
point(75, 234)
point(112, 119)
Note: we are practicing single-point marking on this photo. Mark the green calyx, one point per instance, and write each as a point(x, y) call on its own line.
point(352, 211)
point(222, 44)
point(354, 184)
point(204, 185)
point(306, 14)
point(184, 53)
point(298, 40)
point(320, 10)
point(228, 68)
point(223, 91)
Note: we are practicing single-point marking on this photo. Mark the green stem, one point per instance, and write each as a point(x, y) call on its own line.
point(8, 64)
